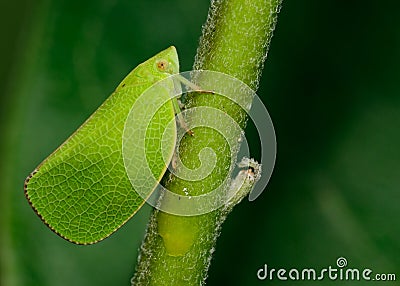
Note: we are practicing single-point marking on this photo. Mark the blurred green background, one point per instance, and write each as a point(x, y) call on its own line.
point(331, 84)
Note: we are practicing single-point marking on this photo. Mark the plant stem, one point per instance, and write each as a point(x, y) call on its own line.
point(177, 250)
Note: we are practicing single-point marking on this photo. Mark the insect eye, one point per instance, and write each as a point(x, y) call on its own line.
point(162, 65)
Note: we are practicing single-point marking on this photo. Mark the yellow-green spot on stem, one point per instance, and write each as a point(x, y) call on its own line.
point(178, 233)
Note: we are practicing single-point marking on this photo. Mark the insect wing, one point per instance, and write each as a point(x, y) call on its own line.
point(81, 191)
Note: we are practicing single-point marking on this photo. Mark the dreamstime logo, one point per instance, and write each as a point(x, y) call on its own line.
point(341, 262)
point(151, 137)
point(338, 272)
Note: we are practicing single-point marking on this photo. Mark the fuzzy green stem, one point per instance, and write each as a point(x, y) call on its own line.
point(177, 250)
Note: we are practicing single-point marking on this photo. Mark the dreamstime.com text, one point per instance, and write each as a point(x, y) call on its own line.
point(339, 272)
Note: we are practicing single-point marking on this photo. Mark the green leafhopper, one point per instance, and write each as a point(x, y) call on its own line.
point(81, 191)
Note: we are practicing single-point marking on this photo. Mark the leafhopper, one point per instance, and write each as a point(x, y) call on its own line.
point(81, 191)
